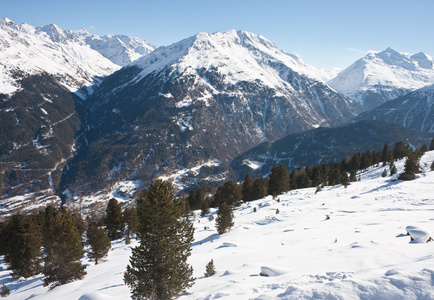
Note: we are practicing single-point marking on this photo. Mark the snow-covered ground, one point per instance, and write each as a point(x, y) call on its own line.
point(360, 252)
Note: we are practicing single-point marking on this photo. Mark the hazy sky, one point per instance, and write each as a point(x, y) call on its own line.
point(324, 33)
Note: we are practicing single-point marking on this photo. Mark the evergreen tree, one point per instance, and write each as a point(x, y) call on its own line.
point(247, 189)
point(385, 154)
point(229, 192)
point(158, 267)
point(353, 176)
point(393, 169)
point(23, 250)
point(335, 177)
point(401, 150)
point(344, 179)
point(431, 146)
point(204, 210)
point(63, 253)
point(225, 217)
point(355, 162)
point(384, 174)
point(5, 291)
point(411, 166)
point(114, 221)
point(98, 241)
point(260, 188)
point(210, 268)
point(131, 219)
point(365, 161)
point(195, 199)
point(278, 182)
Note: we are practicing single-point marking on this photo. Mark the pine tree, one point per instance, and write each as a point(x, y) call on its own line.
point(195, 199)
point(63, 253)
point(260, 188)
point(345, 180)
point(393, 169)
point(229, 192)
point(210, 268)
point(225, 217)
point(99, 242)
point(247, 189)
point(204, 210)
point(5, 291)
point(114, 220)
point(411, 166)
point(131, 219)
point(278, 182)
point(384, 174)
point(401, 150)
point(158, 267)
point(385, 154)
point(23, 250)
point(431, 146)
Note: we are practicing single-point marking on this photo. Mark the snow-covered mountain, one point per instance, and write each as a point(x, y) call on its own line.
point(27, 50)
point(383, 76)
point(413, 110)
point(119, 49)
point(203, 100)
point(362, 251)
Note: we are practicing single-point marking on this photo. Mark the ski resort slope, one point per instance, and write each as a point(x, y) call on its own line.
point(360, 251)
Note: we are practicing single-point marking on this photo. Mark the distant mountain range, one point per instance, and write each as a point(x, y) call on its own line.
point(383, 76)
point(80, 113)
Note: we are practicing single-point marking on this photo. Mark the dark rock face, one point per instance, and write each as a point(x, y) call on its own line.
point(38, 127)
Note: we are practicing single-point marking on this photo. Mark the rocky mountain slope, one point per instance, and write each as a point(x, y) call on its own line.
point(201, 101)
point(40, 117)
point(323, 145)
point(413, 110)
point(383, 76)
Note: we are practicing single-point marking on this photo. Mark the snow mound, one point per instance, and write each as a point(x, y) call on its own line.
point(273, 271)
point(418, 234)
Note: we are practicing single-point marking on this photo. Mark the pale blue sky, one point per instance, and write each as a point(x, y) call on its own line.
point(323, 33)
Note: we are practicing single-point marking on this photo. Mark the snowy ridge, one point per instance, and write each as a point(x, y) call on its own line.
point(385, 72)
point(240, 55)
point(120, 49)
point(362, 251)
point(75, 57)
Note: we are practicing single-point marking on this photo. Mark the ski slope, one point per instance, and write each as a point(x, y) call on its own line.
point(361, 251)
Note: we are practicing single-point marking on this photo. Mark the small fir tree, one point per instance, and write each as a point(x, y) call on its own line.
point(210, 268)
point(5, 291)
point(393, 169)
point(63, 253)
point(384, 174)
point(114, 220)
point(158, 267)
point(99, 242)
point(431, 146)
point(224, 221)
point(345, 180)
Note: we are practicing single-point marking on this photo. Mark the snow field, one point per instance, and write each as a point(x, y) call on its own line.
point(362, 251)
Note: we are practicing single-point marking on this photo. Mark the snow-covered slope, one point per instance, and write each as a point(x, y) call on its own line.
point(413, 110)
point(120, 49)
point(238, 54)
point(27, 50)
point(379, 77)
point(362, 251)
